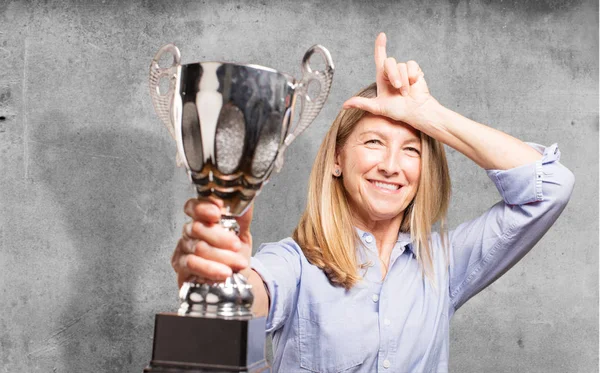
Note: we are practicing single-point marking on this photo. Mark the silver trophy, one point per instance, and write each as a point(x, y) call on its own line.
point(232, 124)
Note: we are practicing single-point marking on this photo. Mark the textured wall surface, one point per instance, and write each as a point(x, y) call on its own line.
point(91, 200)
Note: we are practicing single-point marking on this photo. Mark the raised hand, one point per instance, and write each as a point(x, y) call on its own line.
point(402, 93)
point(207, 251)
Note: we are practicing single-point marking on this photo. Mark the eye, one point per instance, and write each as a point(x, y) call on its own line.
point(374, 141)
point(412, 150)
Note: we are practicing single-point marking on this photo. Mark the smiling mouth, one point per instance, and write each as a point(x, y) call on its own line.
point(387, 186)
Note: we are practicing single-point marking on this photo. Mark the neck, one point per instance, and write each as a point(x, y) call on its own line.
point(385, 233)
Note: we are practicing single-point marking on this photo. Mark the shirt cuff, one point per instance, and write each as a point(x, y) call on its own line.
point(271, 285)
point(523, 184)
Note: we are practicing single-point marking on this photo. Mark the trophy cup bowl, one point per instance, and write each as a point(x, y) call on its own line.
point(232, 124)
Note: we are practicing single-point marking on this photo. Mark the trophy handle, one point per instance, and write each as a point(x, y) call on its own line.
point(310, 107)
point(163, 101)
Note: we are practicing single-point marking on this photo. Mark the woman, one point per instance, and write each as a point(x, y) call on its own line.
point(364, 284)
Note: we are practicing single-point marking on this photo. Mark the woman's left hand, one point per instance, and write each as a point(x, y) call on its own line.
point(402, 93)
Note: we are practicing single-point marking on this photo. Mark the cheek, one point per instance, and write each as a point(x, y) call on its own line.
point(361, 161)
point(368, 159)
point(412, 169)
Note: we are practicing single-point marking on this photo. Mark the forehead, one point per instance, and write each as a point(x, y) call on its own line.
point(385, 126)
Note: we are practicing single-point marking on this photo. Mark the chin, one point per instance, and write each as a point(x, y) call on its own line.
point(385, 215)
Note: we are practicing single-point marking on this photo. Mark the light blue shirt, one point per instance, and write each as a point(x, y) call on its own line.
point(401, 324)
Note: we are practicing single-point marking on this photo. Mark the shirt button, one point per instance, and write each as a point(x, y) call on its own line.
point(369, 238)
point(386, 363)
point(375, 297)
point(387, 322)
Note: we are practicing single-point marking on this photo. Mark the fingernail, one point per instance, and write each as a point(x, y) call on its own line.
point(188, 209)
point(243, 263)
point(397, 83)
point(403, 91)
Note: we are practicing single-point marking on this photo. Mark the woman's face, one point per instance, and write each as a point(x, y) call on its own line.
point(381, 166)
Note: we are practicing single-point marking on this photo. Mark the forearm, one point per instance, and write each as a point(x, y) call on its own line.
point(260, 306)
point(484, 248)
point(486, 146)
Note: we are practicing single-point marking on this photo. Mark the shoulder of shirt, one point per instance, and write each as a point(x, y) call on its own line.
point(286, 245)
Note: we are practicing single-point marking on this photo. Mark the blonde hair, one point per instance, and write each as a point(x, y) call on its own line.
point(326, 232)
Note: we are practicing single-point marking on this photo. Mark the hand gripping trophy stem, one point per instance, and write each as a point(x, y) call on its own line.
point(232, 124)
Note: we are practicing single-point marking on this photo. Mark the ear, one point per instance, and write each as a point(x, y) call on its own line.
point(337, 165)
point(338, 158)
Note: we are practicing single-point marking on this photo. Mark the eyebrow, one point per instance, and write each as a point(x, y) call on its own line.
point(411, 140)
point(373, 132)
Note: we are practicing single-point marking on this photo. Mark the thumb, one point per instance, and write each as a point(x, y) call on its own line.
point(367, 104)
point(245, 220)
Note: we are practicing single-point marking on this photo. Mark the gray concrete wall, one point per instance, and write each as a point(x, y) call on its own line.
point(91, 201)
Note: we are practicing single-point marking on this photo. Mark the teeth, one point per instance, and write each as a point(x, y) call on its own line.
point(386, 185)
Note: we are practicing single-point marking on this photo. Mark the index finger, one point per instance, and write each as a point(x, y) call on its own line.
point(380, 52)
point(205, 210)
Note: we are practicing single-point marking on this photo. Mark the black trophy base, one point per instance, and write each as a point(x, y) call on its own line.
point(187, 344)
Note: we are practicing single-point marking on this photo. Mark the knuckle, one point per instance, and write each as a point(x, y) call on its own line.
point(189, 205)
point(174, 262)
point(179, 263)
point(186, 262)
point(176, 254)
point(187, 230)
point(213, 271)
point(190, 246)
point(201, 248)
point(196, 228)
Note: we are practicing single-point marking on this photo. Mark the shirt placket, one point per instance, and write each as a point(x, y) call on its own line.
point(379, 294)
point(386, 329)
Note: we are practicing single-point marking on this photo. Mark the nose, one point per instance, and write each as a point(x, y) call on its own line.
point(391, 163)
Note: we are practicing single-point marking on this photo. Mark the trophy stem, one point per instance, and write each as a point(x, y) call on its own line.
point(230, 223)
point(231, 299)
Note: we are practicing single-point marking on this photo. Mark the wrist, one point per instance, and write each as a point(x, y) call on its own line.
point(429, 117)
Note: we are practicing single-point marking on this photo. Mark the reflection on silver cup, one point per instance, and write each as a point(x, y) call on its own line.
point(232, 124)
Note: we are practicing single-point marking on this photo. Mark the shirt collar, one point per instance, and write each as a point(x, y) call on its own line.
point(403, 240)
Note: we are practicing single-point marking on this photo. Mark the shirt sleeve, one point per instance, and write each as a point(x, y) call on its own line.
point(483, 249)
point(280, 266)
